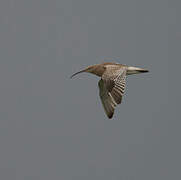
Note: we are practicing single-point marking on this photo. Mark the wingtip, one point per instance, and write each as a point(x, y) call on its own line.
point(110, 116)
point(144, 71)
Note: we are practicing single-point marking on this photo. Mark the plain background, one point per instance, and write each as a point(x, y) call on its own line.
point(52, 127)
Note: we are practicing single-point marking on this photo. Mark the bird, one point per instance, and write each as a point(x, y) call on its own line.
point(112, 83)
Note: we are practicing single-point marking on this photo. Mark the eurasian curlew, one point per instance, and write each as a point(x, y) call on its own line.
point(112, 83)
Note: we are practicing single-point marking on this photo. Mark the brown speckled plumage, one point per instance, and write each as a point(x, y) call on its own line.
point(112, 83)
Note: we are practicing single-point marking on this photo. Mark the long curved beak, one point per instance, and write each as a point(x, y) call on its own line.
point(78, 73)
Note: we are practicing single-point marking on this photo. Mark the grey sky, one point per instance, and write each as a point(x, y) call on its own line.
point(55, 128)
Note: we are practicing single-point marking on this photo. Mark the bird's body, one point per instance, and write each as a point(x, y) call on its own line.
point(112, 83)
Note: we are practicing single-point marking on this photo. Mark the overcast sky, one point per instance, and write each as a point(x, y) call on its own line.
point(53, 127)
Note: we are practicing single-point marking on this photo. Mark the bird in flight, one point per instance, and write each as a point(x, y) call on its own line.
point(112, 82)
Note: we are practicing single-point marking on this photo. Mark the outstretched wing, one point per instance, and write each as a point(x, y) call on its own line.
point(115, 83)
point(107, 100)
